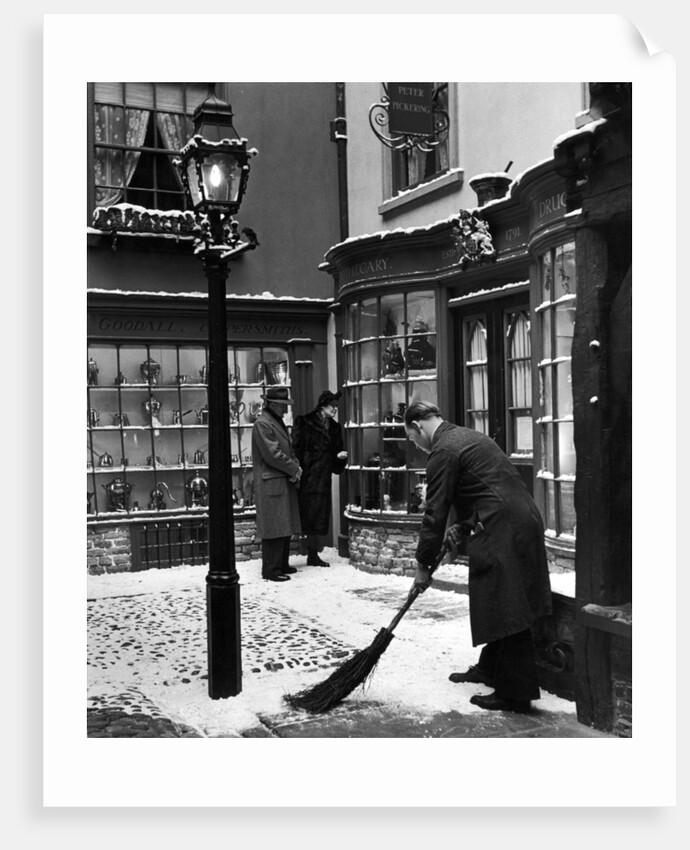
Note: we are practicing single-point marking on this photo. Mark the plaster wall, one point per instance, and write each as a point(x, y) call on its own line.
point(525, 119)
point(292, 194)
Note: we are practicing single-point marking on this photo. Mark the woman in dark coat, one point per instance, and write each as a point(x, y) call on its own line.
point(318, 443)
point(509, 585)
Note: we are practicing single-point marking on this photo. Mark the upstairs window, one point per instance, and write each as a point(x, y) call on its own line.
point(412, 167)
point(138, 129)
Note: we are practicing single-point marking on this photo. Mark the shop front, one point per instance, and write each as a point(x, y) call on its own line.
point(475, 314)
point(147, 454)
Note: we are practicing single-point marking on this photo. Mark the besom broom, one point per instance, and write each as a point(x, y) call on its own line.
point(356, 670)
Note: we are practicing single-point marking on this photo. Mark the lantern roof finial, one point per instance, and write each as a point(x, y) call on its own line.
point(213, 117)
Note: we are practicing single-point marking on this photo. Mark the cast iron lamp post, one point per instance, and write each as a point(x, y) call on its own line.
point(214, 166)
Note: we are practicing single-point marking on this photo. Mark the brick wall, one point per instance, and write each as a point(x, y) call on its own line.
point(378, 548)
point(108, 549)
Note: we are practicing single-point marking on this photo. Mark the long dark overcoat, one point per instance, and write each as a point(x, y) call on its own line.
point(317, 441)
point(509, 584)
point(277, 509)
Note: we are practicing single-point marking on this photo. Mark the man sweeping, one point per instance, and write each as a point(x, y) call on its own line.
point(509, 586)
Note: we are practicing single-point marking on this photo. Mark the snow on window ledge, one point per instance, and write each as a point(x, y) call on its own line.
point(453, 177)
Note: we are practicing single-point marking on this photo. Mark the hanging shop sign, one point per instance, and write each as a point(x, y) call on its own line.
point(411, 108)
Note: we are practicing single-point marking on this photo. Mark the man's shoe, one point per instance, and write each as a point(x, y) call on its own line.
point(472, 674)
point(279, 577)
point(288, 571)
point(315, 561)
point(493, 703)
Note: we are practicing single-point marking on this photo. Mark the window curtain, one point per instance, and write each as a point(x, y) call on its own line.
point(520, 362)
point(478, 379)
point(174, 133)
point(114, 168)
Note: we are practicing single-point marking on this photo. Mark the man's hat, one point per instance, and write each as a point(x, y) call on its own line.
point(327, 397)
point(280, 395)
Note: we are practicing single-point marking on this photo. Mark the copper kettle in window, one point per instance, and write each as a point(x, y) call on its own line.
point(196, 490)
point(157, 496)
point(117, 493)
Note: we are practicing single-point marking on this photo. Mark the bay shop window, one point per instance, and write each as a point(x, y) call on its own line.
point(390, 349)
point(556, 320)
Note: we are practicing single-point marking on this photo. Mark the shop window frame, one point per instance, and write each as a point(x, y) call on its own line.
point(369, 483)
point(128, 421)
point(555, 486)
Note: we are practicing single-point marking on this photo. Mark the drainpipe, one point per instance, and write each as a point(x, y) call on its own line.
point(339, 136)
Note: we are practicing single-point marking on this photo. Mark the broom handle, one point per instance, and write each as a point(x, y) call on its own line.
point(414, 593)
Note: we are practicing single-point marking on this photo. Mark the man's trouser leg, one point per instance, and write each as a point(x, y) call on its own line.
point(514, 666)
point(274, 556)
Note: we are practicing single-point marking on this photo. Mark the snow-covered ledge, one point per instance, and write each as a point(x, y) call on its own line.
point(454, 177)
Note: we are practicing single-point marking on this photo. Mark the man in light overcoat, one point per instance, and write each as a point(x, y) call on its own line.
point(276, 478)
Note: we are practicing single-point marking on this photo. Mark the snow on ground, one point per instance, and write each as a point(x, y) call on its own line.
point(343, 603)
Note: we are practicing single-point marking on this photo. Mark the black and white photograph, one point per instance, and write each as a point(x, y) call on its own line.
point(359, 438)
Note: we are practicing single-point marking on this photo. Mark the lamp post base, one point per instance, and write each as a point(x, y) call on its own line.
point(224, 642)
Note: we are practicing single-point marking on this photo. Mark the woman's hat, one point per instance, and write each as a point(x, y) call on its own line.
point(280, 395)
point(327, 397)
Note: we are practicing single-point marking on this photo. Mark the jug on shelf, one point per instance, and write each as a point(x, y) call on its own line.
point(202, 415)
point(199, 457)
point(152, 407)
point(92, 372)
point(157, 496)
point(274, 371)
point(94, 417)
point(120, 419)
point(150, 371)
point(105, 459)
point(178, 416)
point(203, 374)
